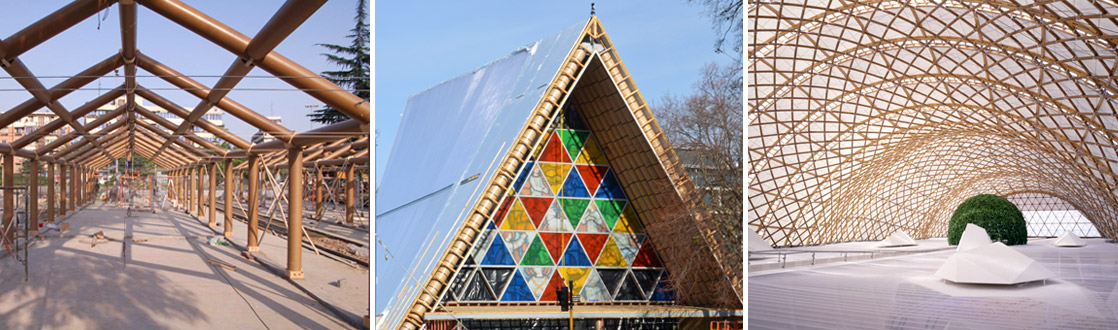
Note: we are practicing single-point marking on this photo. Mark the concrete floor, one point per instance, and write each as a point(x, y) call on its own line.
point(902, 293)
point(162, 283)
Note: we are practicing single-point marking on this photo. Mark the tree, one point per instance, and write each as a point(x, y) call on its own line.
point(354, 61)
point(727, 18)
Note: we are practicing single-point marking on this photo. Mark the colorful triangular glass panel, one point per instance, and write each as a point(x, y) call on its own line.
point(593, 244)
point(574, 255)
point(629, 290)
point(611, 278)
point(475, 289)
point(518, 290)
point(537, 278)
point(610, 187)
point(483, 242)
point(591, 153)
point(536, 207)
point(517, 243)
point(647, 257)
point(610, 209)
point(575, 274)
point(550, 293)
point(517, 218)
point(554, 151)
point(592, 175)
point(662, 293)
point(555, 243)
point(522, 177)
point(499, 215)
point(555, 174)
point(497, 277)
point(592, 221)
point(555, 219)
point(647, 279)
point(574, 187)
point(536, 185)
point(573, 140)
point(611, 256)
point(498, 254)
point(537, 254)
point(629, 245)
point(594, 290)
point(574, 208)
point(628, 222)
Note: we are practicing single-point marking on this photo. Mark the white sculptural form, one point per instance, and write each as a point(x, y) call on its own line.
point(756, 243)
point(1069, 240)
point(978, 261)
point(898, 238)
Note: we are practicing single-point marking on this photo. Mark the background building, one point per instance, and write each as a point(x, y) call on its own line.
point(214, 115)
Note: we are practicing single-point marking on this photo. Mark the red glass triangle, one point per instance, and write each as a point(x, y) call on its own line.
point(554, 151)
point(592, 176)
point(536, 207)
point(555, 243)
point(593, 244)
point(647, 257)
point(499, 216)
point(549, 293)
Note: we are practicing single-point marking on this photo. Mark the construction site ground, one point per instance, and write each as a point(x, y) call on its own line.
point(158, 271)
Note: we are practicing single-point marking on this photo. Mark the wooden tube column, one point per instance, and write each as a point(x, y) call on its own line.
point(253, 200)
point(350, 192)
point(9, 199)
point(318, 193)
point(200, 207)
point(81, 185)
point(72, 201)
point(295, 214)
point(228, 222)
point(33, 178)
point(50, 193)
point(62, 190)
point(190, 191)
point(212, 170)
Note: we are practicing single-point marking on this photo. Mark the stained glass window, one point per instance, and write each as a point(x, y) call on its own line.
point(566, 219)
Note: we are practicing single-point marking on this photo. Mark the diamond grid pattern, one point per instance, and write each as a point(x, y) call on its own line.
point(867, 118)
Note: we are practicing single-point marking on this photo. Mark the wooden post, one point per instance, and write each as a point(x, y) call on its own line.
point(190, 191)
point(62, 190)
point(350, 194)
point(228, 222)
point(33, 178)
point(212, 170)
point(253, 200)
point(295, 214)
point(74, 181)
point(201, 187)
point(50, 193)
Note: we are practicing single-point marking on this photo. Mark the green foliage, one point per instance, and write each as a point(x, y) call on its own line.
point(354, 61)
point(1001, 219)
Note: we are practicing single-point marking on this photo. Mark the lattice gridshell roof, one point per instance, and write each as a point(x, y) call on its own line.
point(871, 117)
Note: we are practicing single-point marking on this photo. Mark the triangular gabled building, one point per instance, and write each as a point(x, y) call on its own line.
point(543, 168)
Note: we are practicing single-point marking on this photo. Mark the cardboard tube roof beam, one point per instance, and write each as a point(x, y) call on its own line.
point(182, 113)
point(62, 140)
point(81, 111)
point(62, 89)
point(51, 25)
point(112, 129)
point(168, 124)
point(202, 92)
point(272, 62)
point(345, 129)
point(165, 136)
point(289, 17)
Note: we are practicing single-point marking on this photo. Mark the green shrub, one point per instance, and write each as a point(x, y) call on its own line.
point(1001, 219)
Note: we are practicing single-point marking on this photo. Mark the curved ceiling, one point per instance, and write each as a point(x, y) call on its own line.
point(876, 116)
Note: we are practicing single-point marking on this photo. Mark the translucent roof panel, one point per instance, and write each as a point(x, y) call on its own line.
point(868, 118)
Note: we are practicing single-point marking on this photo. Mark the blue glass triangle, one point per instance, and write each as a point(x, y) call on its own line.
point(490, 225)
point(518, 290)
point(574, 187)
point(574, 256)
point(610, 188)
point(523, 176)
point(661, 293)
point(498, 254)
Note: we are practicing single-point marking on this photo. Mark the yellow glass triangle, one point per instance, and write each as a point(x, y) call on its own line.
point(576, 274)
point(539, 146)
point(555, 174)
point(611, 255)
point(591, 154)
point(628, 222)
point(517, 218)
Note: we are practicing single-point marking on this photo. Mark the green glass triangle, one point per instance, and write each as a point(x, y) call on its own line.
point(537, 254)
point(574, 209)
point(573, 141)
point(611, 209)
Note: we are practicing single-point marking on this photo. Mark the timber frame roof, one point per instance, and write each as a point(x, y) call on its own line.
point(867, 117)
point(159, 142)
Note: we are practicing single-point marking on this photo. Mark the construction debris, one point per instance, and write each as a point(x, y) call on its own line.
point(222, 264)
point(248, 255)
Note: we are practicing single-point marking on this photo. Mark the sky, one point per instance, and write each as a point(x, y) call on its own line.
point(98, 37)
point(419, 44)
